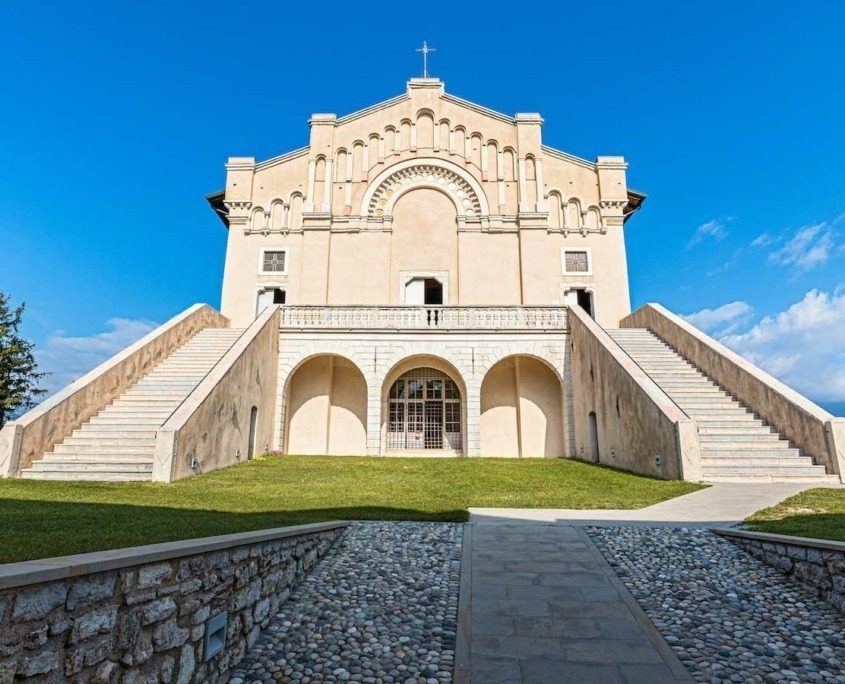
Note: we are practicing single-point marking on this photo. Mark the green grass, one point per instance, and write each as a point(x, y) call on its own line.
point(818, 513)
point(42, 519)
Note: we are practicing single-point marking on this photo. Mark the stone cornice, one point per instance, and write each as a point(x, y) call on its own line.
point(301, 152)
point(558, 154)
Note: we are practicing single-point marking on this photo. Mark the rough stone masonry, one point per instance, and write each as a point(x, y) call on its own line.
point(139, 624)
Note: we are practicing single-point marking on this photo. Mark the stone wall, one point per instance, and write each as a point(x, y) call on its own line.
point(212, 425)
point(817, 563)
point(635, 421)
point(139, 615)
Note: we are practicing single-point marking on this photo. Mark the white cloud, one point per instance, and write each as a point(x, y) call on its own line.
point(809, 247)
point(764, 240)
point(714, 229)
point(68, 358)
point(721, 320)
point(804, 346)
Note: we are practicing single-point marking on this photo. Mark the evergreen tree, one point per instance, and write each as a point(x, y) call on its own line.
point(19, 374)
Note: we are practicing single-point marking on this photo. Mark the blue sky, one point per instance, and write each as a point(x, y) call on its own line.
point(117, 119)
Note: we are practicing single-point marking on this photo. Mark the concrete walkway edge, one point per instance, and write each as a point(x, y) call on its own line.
point(463, 641)
point(654, 636)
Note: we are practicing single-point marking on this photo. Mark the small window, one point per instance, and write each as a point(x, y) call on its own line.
point(577, 261)
point(274, 261)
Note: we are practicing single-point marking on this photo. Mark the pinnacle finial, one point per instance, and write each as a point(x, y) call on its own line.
point(425, 50)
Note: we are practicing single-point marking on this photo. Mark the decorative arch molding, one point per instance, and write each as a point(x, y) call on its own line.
point(439, 174)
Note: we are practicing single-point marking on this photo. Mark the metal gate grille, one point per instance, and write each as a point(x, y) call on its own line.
point(424, 412)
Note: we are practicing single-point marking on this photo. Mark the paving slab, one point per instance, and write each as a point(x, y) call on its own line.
point(540, 604)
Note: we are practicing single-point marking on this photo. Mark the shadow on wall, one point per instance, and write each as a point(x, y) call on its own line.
point(43, 529)
point(327, 407)
point(521, 409)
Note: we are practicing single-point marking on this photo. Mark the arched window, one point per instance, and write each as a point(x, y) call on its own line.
point(424, 412)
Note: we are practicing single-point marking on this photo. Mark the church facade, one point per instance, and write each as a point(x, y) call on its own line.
point(423, 250)
point(426, 278)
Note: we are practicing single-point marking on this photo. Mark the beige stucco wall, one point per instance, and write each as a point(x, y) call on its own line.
point(327, 400)
point(805, 424)
point(648, 424)
point(39, 430)
point(522, 410)
point(425, 238)
point(527, 202)
point(213, 423)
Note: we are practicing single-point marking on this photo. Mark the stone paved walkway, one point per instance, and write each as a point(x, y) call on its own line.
point(540, 604)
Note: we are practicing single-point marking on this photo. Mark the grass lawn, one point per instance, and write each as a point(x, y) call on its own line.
point(818, 513)
point(42, 519)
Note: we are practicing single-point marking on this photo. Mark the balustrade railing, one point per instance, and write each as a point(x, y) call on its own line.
point(424, 317)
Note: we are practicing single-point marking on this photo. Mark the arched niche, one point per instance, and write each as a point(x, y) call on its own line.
point(326, 407)
point(521, 409)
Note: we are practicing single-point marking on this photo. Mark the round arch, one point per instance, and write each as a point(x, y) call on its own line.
point(522, 408)
point(326, 406)
point(432, 416)
point(460, 186)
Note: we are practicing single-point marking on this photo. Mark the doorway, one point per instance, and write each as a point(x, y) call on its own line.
point(253, 423)
point(594, 437)
point(424, 412)
point(580, 296)
point(423, 292)
point(433, 291)
point(268, 296)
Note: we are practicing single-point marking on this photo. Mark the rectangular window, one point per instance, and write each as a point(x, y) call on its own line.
point(397, 417)
point(577, 261)
point(452, 417)
point(274, 261)
point(415, 416)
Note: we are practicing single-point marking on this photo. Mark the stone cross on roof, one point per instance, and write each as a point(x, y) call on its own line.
point(425, 50)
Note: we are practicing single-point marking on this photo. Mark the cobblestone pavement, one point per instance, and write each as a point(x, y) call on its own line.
point(727, 616)
point(380, 609)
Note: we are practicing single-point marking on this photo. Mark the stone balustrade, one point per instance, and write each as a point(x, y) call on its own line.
point(439, 318)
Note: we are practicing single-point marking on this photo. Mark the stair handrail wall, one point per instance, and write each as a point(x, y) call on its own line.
point(36, 432)
point(649, 423)
point(210, 428)
point(809, 427)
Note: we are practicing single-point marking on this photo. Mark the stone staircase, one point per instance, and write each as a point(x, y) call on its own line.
point(735, 444)
point(118, 444)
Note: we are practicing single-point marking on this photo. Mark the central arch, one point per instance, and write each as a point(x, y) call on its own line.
point(424, 408)
point(447, 177)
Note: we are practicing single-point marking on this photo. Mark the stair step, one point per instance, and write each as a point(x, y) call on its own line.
point(114, 439)
point(86, 475)
point(813, 471)
point(749, 441)
point(732, 430)
point(135, 466)
point(767, 462)
point(74, 447)
point(746, 452)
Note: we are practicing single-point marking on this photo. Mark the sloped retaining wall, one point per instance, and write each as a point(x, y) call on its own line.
point(817, 563)
point(140, 615)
